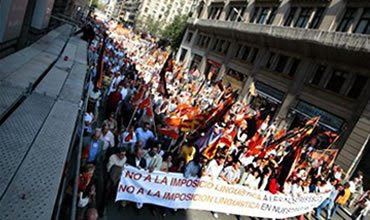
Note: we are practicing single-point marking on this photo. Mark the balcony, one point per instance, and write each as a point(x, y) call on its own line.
point(316, 44)
point(353, 42)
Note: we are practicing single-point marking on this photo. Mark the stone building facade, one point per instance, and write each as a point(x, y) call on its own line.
point(305, 58)
point(114, 9)
point(164, 10)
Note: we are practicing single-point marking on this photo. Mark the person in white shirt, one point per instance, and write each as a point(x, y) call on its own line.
point(353, 184)
point(231, 174)
point(94, 97)
point(297, 189)
point(242, 134)
point(245, 158)
point(253, 180)
point(320, 186)
point(337, 172)
point(153, 159)
point(264, 125)
point(88, 121)
point(306, 185)
point(287, 188)
point(213, 170)
point(108, 138)
point(114, 168)
point(114, 83)
point(363, 207)
point(329, 186)
point(124, 92)
point(118, 159)
point(128, 139)
point(215, 167)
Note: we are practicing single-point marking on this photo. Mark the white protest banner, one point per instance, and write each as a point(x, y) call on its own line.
point(172, 190)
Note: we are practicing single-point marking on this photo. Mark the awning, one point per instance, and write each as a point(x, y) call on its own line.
point(267, 96)
point(214, 63)
point(327, 119)
point(269, 92)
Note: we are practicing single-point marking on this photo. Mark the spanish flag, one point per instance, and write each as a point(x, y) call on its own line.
point(167, 67)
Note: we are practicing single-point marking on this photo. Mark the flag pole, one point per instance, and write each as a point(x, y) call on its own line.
point(132, 118)
point(200, 88)
point(154, 124)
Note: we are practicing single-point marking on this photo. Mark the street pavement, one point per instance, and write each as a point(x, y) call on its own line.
point(114, 212)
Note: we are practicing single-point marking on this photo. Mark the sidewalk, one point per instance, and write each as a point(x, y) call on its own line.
point(42, 92)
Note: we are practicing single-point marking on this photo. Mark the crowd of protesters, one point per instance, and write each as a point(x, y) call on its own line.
point(147, 111)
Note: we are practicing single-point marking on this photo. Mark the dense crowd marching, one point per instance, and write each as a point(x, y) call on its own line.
point(147, 111)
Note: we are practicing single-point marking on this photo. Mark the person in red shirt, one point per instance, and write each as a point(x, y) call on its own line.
point(273, 185)
point(113, 100)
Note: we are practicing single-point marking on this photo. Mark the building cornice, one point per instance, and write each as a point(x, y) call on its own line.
point(347, 41)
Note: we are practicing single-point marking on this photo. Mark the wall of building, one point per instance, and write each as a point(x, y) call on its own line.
point(164, 10)
point(309, 62)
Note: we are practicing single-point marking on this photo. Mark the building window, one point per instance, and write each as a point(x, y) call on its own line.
point(246, 53)
point(270, 60)
point(238, 51)
point(294, 67)
point(225, 47)
point(203, 41)
point(337, 80)
point(281, 63)
point(318, 75)
point(263, 16)
point(215, 45)
point(303, 17)
point(211, 12)
point(363, 26)
point(254, 15)
point(272, 15)
point(200, 9)
point(189, 37)
point(183, 54)
point(289, 19)
point(357, 87)
point(231, 16)
point(236, 13)
point(221, 46)
point(347, 20)
point(241, 14)
point(316, 18)
point(254, 54)
point(215, 12)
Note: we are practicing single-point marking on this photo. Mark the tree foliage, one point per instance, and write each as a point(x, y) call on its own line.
point(97, 4)
point(149, 25)
point(175, 31)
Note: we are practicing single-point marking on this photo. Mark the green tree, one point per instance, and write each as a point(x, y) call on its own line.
point(175, 31)
point(97, 4)
point(153, 26)
point(149, 25)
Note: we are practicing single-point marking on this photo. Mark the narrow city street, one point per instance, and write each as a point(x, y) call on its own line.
point(184, 110)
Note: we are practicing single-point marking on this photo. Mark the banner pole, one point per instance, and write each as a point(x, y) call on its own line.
point(132, 118)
